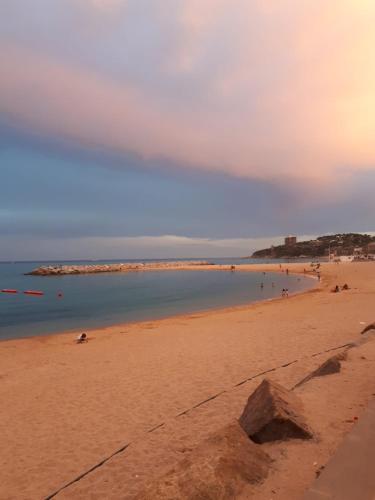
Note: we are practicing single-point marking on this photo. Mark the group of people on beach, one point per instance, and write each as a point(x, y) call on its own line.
point(338, 288)
point(285, 292)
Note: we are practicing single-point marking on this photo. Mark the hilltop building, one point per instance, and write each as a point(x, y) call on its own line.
point(289, 241)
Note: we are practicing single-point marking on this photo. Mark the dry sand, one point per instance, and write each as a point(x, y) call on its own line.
point(66, 407)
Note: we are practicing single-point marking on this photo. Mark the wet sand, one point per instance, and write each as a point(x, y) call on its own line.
point(66, 407)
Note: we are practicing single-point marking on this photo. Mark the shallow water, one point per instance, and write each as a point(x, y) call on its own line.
point(95, 300)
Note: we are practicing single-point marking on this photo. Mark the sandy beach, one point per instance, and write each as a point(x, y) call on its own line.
point(66, 407)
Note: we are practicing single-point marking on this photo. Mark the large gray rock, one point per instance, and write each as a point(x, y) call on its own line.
point(274, 413)
point(218, 469)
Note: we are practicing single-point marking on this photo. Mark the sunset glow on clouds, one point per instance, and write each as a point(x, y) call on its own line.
point(249, 88)
point(280, 92)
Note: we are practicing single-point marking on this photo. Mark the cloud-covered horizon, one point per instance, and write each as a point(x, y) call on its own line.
point(137, 247)
point(269, 90)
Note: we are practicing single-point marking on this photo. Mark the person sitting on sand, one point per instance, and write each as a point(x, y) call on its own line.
point(82, 338)
point(336, 289)
point(345, 287)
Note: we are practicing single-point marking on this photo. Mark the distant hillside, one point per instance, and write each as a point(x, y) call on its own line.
point(341, 244)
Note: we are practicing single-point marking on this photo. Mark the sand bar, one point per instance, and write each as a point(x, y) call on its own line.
point(69, 406)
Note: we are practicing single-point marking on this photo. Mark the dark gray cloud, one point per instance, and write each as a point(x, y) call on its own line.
point(59, 192)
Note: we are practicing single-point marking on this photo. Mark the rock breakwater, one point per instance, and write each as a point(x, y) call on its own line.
point(113, 268)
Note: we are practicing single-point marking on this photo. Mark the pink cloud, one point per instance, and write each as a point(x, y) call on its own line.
point(291, 95)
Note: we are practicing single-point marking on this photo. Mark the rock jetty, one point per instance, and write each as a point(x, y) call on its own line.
point(114, 268)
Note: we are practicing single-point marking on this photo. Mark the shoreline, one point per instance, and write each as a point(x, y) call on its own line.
point(213, 310)
point(155, 390)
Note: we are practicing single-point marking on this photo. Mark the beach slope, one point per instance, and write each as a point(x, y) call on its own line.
point(150, 392)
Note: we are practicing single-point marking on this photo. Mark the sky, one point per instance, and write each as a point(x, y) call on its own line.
point(183, 128)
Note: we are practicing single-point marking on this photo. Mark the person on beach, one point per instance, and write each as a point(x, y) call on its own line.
point(82, 338)
point(336, 289)
point(261, 285)
point(345, 287)
point(287, 271)
point(283, 292)
point(286, 292)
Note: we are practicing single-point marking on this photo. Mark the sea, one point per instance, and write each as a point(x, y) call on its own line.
point(80, 302)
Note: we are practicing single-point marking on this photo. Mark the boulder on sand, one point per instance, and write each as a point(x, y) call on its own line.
point(371, 326)
point(330, 366)
point(274, 413)
point(219, 468)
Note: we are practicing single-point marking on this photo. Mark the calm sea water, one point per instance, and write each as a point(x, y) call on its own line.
point(103, 299)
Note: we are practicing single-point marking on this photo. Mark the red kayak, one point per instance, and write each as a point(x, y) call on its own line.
point(9, 290)
point(33, 292)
